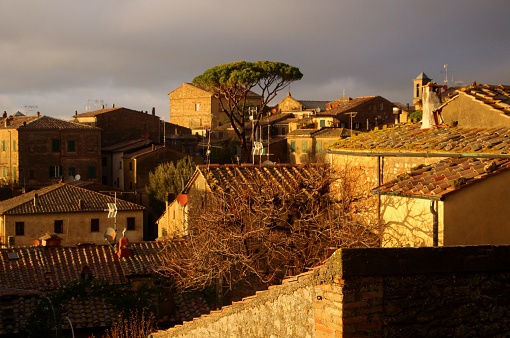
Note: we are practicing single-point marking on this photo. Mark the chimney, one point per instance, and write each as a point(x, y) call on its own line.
point(6, 122)
point(38, 113)
point(431, 102)
point(125, 249)
point(153, 110)
point(36, 200)
point(80, 204)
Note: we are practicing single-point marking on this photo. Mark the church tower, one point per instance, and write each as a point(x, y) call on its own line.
point(418, 83)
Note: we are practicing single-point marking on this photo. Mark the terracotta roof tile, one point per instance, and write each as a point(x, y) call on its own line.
point(144, 260)
point(279, 175)
point(411, 138)
point(496, 96)
point(38, 268)
point(444, 177)
point(62, 197)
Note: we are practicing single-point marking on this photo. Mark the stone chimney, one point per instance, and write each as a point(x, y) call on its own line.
point(431, 102)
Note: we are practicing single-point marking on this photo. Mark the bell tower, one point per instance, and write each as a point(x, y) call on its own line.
point(418, 83)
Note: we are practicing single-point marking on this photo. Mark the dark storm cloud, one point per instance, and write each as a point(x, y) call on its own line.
point(59, 54)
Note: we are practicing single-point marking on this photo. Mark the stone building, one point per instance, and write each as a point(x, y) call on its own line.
point(75, 214)
point(457, 201)
point(120, 124)
point(40, 150)
point(362, 113)
point(197, 109)
point(478, 106)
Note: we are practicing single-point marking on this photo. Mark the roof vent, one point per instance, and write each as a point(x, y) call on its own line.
point(13, 256)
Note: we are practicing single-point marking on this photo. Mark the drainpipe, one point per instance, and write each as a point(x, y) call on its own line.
point(379, 174)
point(435, 223)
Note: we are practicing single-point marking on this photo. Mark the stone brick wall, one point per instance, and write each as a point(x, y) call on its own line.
point(383, 292)
point(283, 311)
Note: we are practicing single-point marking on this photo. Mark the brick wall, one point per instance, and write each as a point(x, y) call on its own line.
point(393, 292)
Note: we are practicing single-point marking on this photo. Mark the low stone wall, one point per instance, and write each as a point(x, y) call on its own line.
point(383, 292)
point(282, 311)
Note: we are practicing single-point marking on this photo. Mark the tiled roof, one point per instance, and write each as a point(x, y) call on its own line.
point(127, 145)
point(230, 176)
point(444, 177)
point(423, 76)
point(441, 140)
point(62, 197)
point(498, 97)
point(309, 104)
point(345, 105)
point(42, 268)
point(146, 258)
point(40, 122)
point(27, 271)
point(335, 132)
point(302, 132)
point(97, 112)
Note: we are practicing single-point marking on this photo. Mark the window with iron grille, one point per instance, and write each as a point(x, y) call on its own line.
point(130, 223)
point(94, 225)
point(59, 226)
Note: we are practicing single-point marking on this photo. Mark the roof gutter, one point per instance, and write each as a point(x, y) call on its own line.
point(398, 194)
point(415, 154)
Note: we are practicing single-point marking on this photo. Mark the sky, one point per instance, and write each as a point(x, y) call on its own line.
point(59, 57)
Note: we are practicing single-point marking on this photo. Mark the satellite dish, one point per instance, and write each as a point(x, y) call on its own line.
point(317, 110)
point(110, 234)
point(77, 177)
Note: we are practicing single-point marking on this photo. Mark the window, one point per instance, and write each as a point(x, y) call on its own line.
point(322, 123)
point(71, 146)
point(104, 161)
point(55, 146)
point(14, 173)
point(71, 171)
point(94, 225)
point(55, 171)
point(4, 146)
point(304, 146)
point(14, 145)
point(319, 145)
point(120, 164)
point(131, 223)
point(130, 166)
point(382, 106)
point(292, 146)
point(4, 171)
point(197, 106)
point(59, 227)
point(20, 228)
point(91, 172)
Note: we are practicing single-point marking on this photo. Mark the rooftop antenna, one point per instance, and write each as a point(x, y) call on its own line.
point(445, 66)
point(30, 108)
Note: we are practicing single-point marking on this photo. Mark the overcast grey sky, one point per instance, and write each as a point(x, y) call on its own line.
point(62, 55)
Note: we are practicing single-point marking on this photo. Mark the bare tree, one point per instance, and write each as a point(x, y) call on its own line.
point(259, 227)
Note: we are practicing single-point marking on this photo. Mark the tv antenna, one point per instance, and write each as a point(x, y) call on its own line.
point(30, 108)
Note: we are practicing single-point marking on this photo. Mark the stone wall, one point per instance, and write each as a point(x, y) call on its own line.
point(382, 292)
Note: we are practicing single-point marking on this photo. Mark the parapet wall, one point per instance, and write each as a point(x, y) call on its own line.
point(383, 292)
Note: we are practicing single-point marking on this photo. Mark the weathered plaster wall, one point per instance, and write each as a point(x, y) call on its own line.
point(469, 112)
point(479, 214)
point(408, 222)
